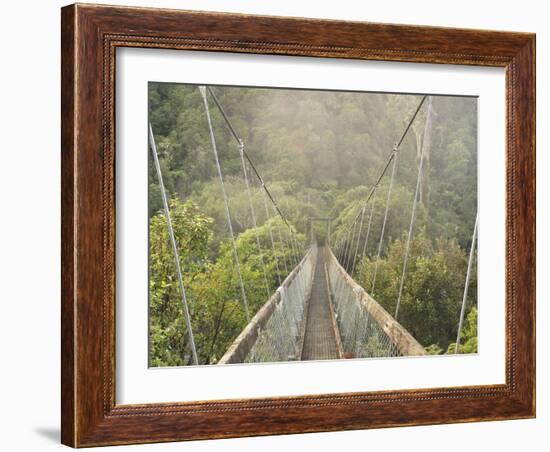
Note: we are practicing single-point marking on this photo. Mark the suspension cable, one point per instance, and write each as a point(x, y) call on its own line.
point(413, 210)
point(350, 247)
point(270, 229)
point(376, 263)
point(466, 285)
point(294, 245)
point(174, 245)
point(254, 222)
point(368, 229)
point(391, 158)
point(346, 244)
point(295, 249)
point(239, 141)
point(358, 239)
point(282, 242)
point(226, 201)
point(395, 150)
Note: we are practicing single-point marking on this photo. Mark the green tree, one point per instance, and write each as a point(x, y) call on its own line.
point(468, 335)
point(169, 344)
point(212, 284)
point(432, 294)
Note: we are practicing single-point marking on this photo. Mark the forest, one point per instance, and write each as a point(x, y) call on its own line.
point(319, 152)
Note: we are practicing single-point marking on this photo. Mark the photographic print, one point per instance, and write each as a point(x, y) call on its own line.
point(296, 225)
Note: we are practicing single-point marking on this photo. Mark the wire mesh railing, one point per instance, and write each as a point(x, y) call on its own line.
point(275, 333)
point(366, 328)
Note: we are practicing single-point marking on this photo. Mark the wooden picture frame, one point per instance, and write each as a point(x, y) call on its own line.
point(90, 36)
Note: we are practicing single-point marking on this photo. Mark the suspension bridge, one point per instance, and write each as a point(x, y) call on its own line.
point(318, 311)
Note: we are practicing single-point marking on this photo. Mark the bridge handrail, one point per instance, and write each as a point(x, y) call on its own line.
point(244, 342)
point(402, 339)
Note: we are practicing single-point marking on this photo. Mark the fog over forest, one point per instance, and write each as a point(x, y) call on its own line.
point(319, 153)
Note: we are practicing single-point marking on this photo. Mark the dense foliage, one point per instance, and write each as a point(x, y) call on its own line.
point(430, 303)
point(319, 153)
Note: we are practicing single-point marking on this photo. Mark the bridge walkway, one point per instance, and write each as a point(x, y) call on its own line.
point(319, 337)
